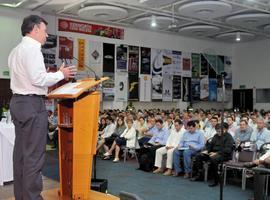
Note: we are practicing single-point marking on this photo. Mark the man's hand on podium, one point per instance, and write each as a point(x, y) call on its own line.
point(68, 72)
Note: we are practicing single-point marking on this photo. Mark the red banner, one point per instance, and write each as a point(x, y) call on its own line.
point(90, 29)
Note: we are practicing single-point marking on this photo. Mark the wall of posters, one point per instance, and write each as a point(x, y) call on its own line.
point(167, 88)
point(145, 88)
point(177, 80)
point(186, 89)
point(121, 87)
point(186, 64)
point(133, 86)
point(145, 60)
point(108, 57)
point(195, 89)
point(49, 51)
point(204, 86)
point(196, 63)
point(121, 58)
point(212, 89)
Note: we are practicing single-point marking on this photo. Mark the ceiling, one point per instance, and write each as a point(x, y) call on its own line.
point(221, 20)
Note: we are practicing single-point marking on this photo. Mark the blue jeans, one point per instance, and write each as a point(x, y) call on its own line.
point(186, 154)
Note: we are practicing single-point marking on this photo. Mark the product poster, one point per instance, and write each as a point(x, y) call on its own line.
point(145, 60)
point(204, 86)
point(133, 86)
point(49, 51)
point(157, 87)
point(96, 56)
point(186, 64)
point(66, 49)
point(196, 63)
point(121, 58)
point(156, 62)
point(186, 89)
point(133, 59)
point(212, 89)
point(108, 87)
point(195, 89)
point(108, 57)
point(177, 87)
point(177, 63)
point(121, 87)
point(167, 67)
point(145, 88)
point(167, 94)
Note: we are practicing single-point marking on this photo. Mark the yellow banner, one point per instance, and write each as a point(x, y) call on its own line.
point(81, 52)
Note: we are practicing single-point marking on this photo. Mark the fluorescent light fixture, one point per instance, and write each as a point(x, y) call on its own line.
point(13, 5)
point(153, 21)
point(142, 1)
point(238, 37)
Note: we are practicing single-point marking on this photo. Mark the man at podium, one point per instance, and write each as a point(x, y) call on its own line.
point(29, 82)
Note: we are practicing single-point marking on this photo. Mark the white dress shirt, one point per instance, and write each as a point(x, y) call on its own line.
point(27, 69)
point(175, 137)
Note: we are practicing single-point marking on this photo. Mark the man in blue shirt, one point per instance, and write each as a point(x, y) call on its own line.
point(261, 135)
point(191, 143)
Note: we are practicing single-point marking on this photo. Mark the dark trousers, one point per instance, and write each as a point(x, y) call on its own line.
point(31, 126)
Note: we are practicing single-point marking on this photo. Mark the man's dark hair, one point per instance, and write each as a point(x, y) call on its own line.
point(29, 23)
point(225, 126)
point(178, 121)
point(159, 121)
point(191, 123)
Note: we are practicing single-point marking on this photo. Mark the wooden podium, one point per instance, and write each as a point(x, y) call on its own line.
point(78, 112)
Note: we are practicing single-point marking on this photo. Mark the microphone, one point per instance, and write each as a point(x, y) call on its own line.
point(89, 68)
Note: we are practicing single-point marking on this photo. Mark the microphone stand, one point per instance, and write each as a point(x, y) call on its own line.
point(221, 173)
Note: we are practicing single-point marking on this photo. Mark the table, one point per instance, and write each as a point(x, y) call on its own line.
point(7, 139)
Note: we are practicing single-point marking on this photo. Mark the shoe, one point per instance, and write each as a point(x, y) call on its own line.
point(167, 173)
point(175, 174)
point(186, 176)
point(196, 178)
point(249, 165)
point(116, 160)
point(213, 184)
point(107, 158)
point(107, 154)
point(157, 171)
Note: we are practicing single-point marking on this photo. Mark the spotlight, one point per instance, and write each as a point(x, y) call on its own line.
point(238, 37)
point(153, 21)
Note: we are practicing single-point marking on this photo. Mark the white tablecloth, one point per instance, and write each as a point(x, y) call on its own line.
point(7, 138)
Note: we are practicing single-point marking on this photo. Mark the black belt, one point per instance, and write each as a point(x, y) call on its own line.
point(29, 95)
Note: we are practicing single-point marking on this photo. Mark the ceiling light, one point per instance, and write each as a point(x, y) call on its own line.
point(13, 5)
point(153, 21)
point(142, 1)
point(173, 24)
point(238, 37)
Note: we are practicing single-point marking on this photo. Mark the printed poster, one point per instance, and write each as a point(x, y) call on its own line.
point(66, 49)
point(145, 60)
point(212, 89)
point(204, 86)
point(186, 89)
point(121, 58)
point(177, 87)
point(196, 62)
point(108, 87)
point(177, 63)
point(49, 51)
point(108, 57)
point(121, 87)
point(133, 59)
point(186, 64)
point(157, 87)
point(96, 56)
point(167, 94)
point(195, 89)
point(145, 88)
point(133, 86)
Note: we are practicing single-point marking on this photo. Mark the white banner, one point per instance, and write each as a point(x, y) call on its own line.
point(121, 87)
point(186, 64)
point(167, 89)
point(145, 88)
point(157, 87)
point(96, 56)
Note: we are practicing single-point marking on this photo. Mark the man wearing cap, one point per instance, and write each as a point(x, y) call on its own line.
point(217, 150)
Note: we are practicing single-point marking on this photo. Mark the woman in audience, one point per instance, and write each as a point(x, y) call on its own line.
point(141, 127)
point(119, 129)
point(102, 124)
point(128, 138)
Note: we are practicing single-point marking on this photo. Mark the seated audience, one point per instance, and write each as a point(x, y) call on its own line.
point(148, 133)
point(190, 144)
point(261, 135)
point(171, 144)
point(242, 134)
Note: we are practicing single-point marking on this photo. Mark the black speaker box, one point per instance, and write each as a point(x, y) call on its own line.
point(100, 185)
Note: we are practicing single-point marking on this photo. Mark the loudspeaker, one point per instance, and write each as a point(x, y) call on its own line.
point(100, 185)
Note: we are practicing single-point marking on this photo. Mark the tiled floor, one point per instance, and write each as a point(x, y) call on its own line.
point(6, 191)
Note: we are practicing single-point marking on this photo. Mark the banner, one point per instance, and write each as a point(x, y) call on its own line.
point(195, 89)
point(133, 59)
point(196, 62)
point(145, 88)
point(167, 94)
point(204, 66)
point(66, 49)
point(81, 52)
point(49, 51)
point(177, 63)
point(228, 70)
point(212, 89)
point(177, 87)
point(186, 89)
point(133, 86)
point(108, 87)
point(121, 58)
point(90, 29)
point(157, 87)
point(168, 67)
point(95, 54)
point(186, 64)
point(121, 87)
point(145, 60)
point(156, 62)
point(108, 57)
point(204, 94)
